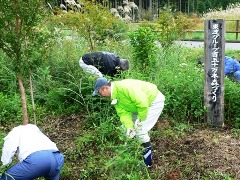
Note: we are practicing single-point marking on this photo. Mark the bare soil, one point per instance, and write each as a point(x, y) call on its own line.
point(197, 153)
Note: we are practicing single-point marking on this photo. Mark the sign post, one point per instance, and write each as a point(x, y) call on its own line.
point(214, 62)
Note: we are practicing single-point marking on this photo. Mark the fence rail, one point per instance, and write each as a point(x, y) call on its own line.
point(236, 31)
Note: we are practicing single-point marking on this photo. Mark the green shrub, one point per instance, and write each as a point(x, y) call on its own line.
point(11, 110)
point(57, 81)
point(8, 83)
point(181, 81)
point(144, 49)
point(95, 23)
point(231, 104)
point(171, 26)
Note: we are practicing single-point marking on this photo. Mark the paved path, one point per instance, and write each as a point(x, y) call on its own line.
point(197, 44)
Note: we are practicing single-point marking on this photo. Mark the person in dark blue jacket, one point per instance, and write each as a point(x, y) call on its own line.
point(232, 68)
point(103, 63)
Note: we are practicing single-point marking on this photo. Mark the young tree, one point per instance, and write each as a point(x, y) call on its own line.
point(18, 19)
point(93, 21)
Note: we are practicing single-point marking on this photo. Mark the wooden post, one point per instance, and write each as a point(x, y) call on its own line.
point(237, 25)
point(214, 44)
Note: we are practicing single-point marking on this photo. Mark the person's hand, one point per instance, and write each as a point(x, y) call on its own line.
point(131, 133)
point(123, 129)
point(137, 124)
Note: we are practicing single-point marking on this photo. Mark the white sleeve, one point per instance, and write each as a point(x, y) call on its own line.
point(11, 142)
point(90, 69)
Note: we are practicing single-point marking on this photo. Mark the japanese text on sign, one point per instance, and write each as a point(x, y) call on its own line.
point(215, 62)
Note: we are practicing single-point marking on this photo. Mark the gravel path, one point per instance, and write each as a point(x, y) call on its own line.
point(199, 44)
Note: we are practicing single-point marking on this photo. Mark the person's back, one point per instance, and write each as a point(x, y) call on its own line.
point(102, 62)
point(230, 65)
point(31, 140)
point(105, 62)
point(136, 87)
point(232, 68)
point(38, 155)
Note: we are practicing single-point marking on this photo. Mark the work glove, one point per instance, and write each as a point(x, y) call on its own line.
point(137, 125)
point(123, 129)
point(131, 133)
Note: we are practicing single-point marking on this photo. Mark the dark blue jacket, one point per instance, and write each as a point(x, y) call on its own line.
point(105, 62)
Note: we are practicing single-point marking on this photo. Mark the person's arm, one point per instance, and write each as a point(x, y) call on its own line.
point(90, 69)
point(125, 117)
point(11, 142)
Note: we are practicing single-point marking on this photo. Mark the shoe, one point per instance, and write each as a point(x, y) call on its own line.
point(147, 155)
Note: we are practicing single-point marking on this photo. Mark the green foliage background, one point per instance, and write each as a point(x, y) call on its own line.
point(62, 88)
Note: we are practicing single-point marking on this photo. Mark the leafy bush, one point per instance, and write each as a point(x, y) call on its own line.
point(10, 108)
point(8, 83)
point(144, 49)
point(172, 26)
point(95, 23)
point(231, 104)
point(181, 81)
point(57, 80)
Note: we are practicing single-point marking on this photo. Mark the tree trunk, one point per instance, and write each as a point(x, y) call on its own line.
point(140, 8)
point(23, 98)
point(32, 97)
point(20, 79)
point(151, 9)
point(180, 6)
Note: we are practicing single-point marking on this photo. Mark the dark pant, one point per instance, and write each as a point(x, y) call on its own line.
point(47, 164)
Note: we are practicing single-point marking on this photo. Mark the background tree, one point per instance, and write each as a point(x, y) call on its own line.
point(94, 22)
point(150, 9)
point(18, 36)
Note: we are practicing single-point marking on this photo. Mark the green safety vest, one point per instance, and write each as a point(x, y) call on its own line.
point(133, 96)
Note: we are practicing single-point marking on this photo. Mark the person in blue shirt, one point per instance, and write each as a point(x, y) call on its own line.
point(232, 68)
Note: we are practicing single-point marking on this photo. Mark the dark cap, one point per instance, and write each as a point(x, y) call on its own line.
point(124, 64)
point(99, 84)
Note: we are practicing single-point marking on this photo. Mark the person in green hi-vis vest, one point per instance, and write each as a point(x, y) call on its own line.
point(138, 104)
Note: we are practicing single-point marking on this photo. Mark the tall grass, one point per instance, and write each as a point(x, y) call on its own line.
point(232, 12)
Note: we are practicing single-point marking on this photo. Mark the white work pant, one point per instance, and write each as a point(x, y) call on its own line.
point(153, 114)
point(90, 68)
